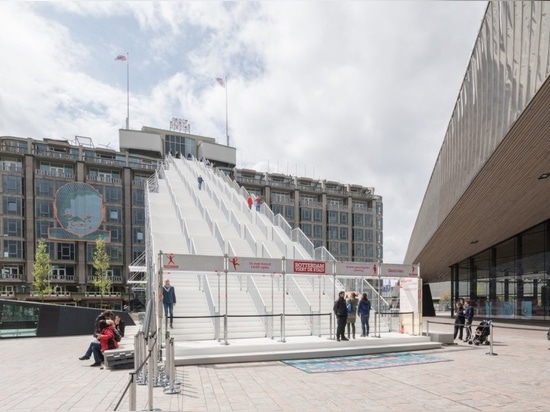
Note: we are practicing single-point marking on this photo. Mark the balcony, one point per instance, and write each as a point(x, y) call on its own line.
point(104, 179)
point(114, 279)
point(308, 188)
point(10, 148)
point(55, 173)
point(52, 295)
point(12, 168)
point(10, 276)
point(105, 162)
point(98, 295)
point(62, 278)
point(56, 155)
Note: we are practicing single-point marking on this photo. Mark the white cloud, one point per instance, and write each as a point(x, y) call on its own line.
point(355, 92)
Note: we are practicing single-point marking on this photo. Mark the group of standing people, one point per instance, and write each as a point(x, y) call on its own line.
point(346, 309)
point(257, 201)
point(464, 315)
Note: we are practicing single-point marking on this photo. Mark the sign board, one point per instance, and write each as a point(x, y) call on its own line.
point(192, 263)
point(399, 271)
point(306, 267)
point(408, 295)
point(357, 268)
point(254, 265)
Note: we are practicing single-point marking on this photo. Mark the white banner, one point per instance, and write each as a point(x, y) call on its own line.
point(254, 265)
point(192, 263)
point(357, 268)
point(399, 271)
point(408, 295)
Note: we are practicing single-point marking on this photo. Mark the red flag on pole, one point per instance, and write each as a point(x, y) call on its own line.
point(220, 81)
point(121, 57)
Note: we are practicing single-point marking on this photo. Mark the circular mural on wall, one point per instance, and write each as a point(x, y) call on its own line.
point(79, 208)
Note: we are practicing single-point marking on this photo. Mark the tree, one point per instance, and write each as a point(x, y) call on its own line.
point(101, 264)
point(42, 270)
point(445, 299)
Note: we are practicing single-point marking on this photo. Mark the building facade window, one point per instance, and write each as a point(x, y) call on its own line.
point(45, 187)
point(306, 228)
point(138, 197)
point(42, 228)
point(12, 184)
point(277, 209)
point(289, 213)
point(344, 233)
point(65, 251)
point(44, 208)
point(116, 233)
point(332, 232)
point(13, 227)
point(114, 214)
point(13, 249)
point(12, 206)
point(305, 214)
point(343, 218)
point(138, 216)
point(317, 231)
point(113, 194)
point(317, 215)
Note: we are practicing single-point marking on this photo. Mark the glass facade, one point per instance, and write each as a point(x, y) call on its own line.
point(509, 280)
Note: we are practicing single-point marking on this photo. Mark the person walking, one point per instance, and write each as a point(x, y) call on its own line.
point(341, 312)
point(364, 312)
point(169, 300)
point(468, 318)
point(350, 320)
point(249, 202)
point(199, 181)
point(258, 203)
point(459, 320)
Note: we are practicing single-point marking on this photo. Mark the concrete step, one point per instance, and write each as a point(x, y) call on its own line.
point(259, 350)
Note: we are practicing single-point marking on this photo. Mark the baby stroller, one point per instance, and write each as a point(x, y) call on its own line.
point(481, 335)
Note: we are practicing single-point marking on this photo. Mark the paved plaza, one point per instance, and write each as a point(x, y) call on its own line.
point(44, 374)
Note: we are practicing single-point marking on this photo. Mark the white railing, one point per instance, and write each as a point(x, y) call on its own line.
point(299, 237)
point(214, 311)
point(283, 224)
point(258, 301)
point(250, 239)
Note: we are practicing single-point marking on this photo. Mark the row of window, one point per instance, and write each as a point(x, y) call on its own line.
point(361, 251)
point(15, 249)
point(48, 187)
point(308, 214)
point(15, 228)
point(44, 208)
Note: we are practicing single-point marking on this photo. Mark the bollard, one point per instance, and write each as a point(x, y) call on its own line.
point(491, 340)
point(133, 391)
point(171, 367)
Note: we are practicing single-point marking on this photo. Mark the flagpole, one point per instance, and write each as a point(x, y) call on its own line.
point(226, 122)
point(127, 91)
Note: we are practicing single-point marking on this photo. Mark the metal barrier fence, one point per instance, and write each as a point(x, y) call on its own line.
point(478, 337)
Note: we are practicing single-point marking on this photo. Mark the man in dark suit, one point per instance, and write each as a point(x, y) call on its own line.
point(168, 300)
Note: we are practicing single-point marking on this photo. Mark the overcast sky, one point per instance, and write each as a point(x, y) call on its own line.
point(352, 92)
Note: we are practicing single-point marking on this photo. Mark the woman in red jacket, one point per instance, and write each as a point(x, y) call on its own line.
point(105, 340)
